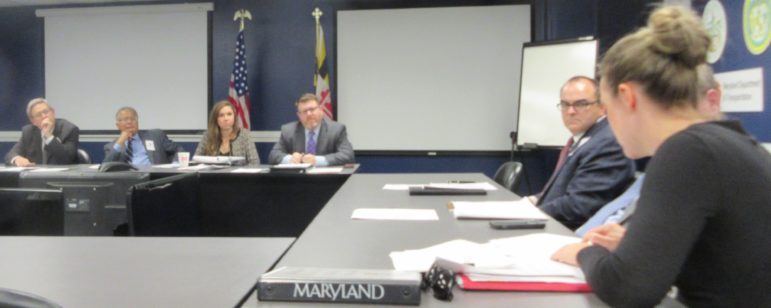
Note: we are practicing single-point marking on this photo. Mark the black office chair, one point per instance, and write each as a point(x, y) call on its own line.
point(169, 206)
point(15, 298)
point(508, 174)
point(83, 157)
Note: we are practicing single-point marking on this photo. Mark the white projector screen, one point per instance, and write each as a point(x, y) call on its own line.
point(545, 68)
point(435, 79)
point(151, 57)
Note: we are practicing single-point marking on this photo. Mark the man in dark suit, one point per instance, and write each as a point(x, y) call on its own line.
point(47, 140)
point(139, 148)
point(593, 169)
point(314, 139)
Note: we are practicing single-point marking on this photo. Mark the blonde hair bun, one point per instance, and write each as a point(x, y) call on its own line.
point(677, 32)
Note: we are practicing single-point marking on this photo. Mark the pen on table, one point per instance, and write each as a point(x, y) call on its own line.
point(461, 182)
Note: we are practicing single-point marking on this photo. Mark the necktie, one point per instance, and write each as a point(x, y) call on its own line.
point(129, 151)
point(310, 148)
point(563, 157)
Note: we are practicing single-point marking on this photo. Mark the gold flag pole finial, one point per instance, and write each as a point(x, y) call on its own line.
point(242, 14)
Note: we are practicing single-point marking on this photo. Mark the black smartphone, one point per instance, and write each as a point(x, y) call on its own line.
point(518, 224)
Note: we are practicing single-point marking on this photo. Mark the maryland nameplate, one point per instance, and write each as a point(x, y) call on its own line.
point(306, 284)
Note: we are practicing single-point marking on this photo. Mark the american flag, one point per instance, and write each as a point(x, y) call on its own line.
point(238, 92)
point(321, 78)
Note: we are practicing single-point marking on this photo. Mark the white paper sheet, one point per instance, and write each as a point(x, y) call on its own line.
point(400, 186)
point(496, 210)
point(217, 159)
point(49, 170)
point(325, 170)
point(521, 258)
point(394, 214)
point(14, 169)
point(248, 170)
point(476, 185)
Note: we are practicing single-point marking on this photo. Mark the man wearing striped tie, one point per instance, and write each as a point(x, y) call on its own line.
point(139, 148)
point(314, 139)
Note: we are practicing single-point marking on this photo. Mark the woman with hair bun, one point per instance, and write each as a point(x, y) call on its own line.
point(703, 219)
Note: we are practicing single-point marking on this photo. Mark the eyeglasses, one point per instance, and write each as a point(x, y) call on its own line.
point(41, 113)
point(308, 110)
point(579, 105)
point(124, 120)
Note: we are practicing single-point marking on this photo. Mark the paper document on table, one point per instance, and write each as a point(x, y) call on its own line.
point(394, 214)
point(495, 210)
point(95, 166)
point(195, 167)
point(325, 170)
point(229, 160)
point(49, 170)
point(14, 169)
point(292, 166)
point(422, 259)
point(524, 258)
point(475, 185)
point(400, 186)
point(248, 170)
point(166, 166)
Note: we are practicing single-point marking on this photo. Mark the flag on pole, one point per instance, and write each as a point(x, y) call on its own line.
point(321, 77)
point(238, 92)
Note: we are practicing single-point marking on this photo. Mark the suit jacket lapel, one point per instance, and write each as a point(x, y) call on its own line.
point(321, 139)
point(37, 146)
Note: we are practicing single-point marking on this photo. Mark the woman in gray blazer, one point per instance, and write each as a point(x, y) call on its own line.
point(225, 137)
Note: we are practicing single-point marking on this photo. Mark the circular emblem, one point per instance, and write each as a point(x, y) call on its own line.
point(756, 23)
point(716, 23)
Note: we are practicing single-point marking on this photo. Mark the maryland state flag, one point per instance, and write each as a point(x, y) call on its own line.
point(321, 78)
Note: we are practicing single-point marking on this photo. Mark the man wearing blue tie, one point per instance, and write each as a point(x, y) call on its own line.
point(139, 148)
point(313, 139)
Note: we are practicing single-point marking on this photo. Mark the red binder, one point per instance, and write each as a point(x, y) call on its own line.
point(468, 284)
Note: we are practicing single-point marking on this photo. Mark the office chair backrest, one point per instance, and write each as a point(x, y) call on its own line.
point(15, 298)
point(169, 206)
point(508, 174)
point(31, 211)
point(83, 157)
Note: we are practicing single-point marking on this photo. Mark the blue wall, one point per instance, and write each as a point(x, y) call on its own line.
point(280, 42)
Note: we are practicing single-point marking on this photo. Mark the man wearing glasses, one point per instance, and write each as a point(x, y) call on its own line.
point(46, 141)
point(592, 169)
point(314, 139)
point(139, 148)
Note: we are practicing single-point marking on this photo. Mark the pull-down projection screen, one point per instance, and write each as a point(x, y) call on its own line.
point(151, 57)
point(431, 79)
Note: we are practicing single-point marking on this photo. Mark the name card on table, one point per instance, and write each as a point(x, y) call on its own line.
point(335, 285)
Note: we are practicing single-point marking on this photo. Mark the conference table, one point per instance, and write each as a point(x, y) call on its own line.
point(334, 240)
point(137, 271)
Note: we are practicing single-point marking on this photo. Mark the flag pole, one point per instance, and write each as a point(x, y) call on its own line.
point(317, 15)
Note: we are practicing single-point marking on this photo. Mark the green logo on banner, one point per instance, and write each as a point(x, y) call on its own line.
point(756, 22)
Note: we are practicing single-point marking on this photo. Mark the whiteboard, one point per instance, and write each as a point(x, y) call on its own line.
point(151, 57)
point(545, 68)
point(430, 78)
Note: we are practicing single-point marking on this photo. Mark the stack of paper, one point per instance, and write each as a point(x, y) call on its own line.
point(228, 160)
point(496, 210)
point(517, 263)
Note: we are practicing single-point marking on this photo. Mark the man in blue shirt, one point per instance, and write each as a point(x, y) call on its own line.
point(139, 148)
